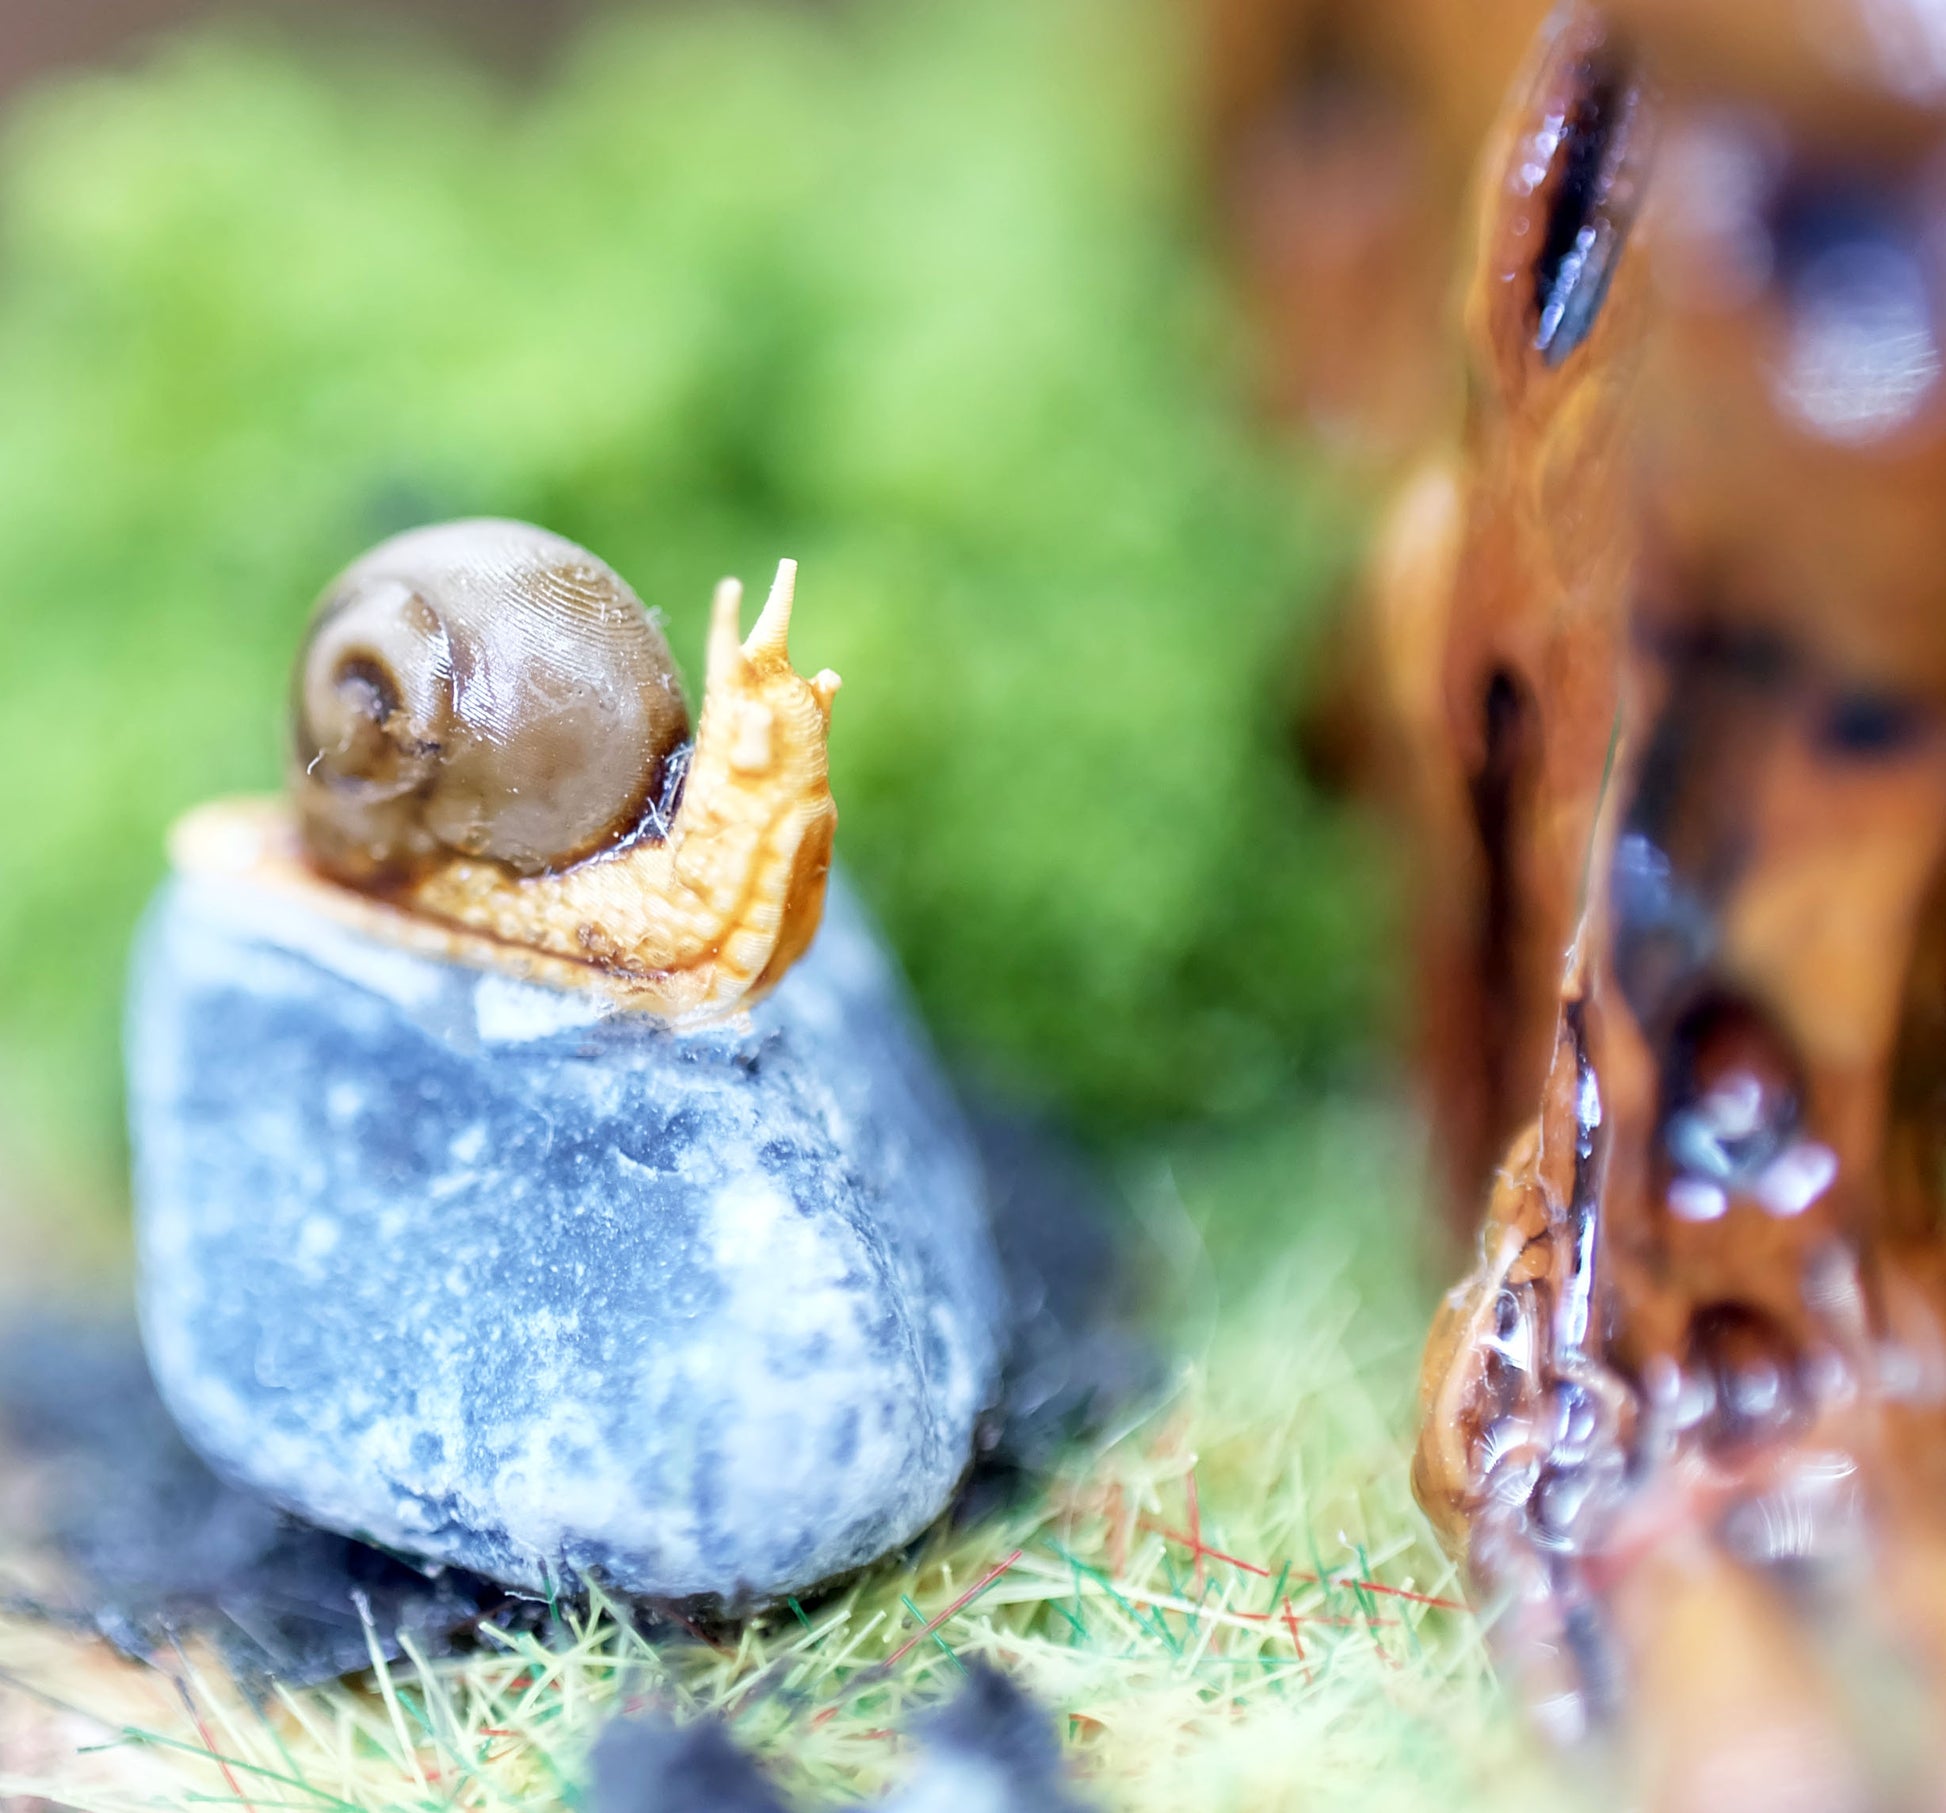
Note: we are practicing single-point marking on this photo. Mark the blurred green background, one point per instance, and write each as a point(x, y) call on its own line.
point(921, 293)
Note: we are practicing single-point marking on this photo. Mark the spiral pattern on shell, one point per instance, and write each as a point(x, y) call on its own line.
point(481, 689)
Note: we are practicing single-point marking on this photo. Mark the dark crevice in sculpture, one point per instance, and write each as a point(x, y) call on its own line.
point(1500, 793)
point(1915, 1157)
point(1749, 1365)
point(1686, 837)
point(1591, 204)
point(1731, 1094)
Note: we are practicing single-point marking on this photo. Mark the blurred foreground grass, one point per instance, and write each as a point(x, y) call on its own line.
point(912, 292)
point(1307, 1659)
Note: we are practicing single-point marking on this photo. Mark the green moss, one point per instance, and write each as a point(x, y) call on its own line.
point(913, 293)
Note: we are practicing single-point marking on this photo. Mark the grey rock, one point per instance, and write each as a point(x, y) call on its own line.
point(649, 1765)
point(990, 1749)
point(491, 1275)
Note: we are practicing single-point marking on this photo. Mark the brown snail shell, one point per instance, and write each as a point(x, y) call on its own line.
point(481, 689)
point(487, 729)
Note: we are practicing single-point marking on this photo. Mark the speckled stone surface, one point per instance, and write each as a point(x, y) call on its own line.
point(490, 1275)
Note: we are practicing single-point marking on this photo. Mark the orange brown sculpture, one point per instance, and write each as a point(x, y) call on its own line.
point(1686, 1420)
point(1499, 592)
point(1472, 690)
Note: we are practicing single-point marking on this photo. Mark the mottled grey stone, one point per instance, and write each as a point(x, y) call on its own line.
point(990, 1749)
point(495, 1276)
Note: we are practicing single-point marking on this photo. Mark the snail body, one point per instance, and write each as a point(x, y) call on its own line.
point(509, 1192)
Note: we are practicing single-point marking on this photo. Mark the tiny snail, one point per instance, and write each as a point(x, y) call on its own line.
point(487, 744)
